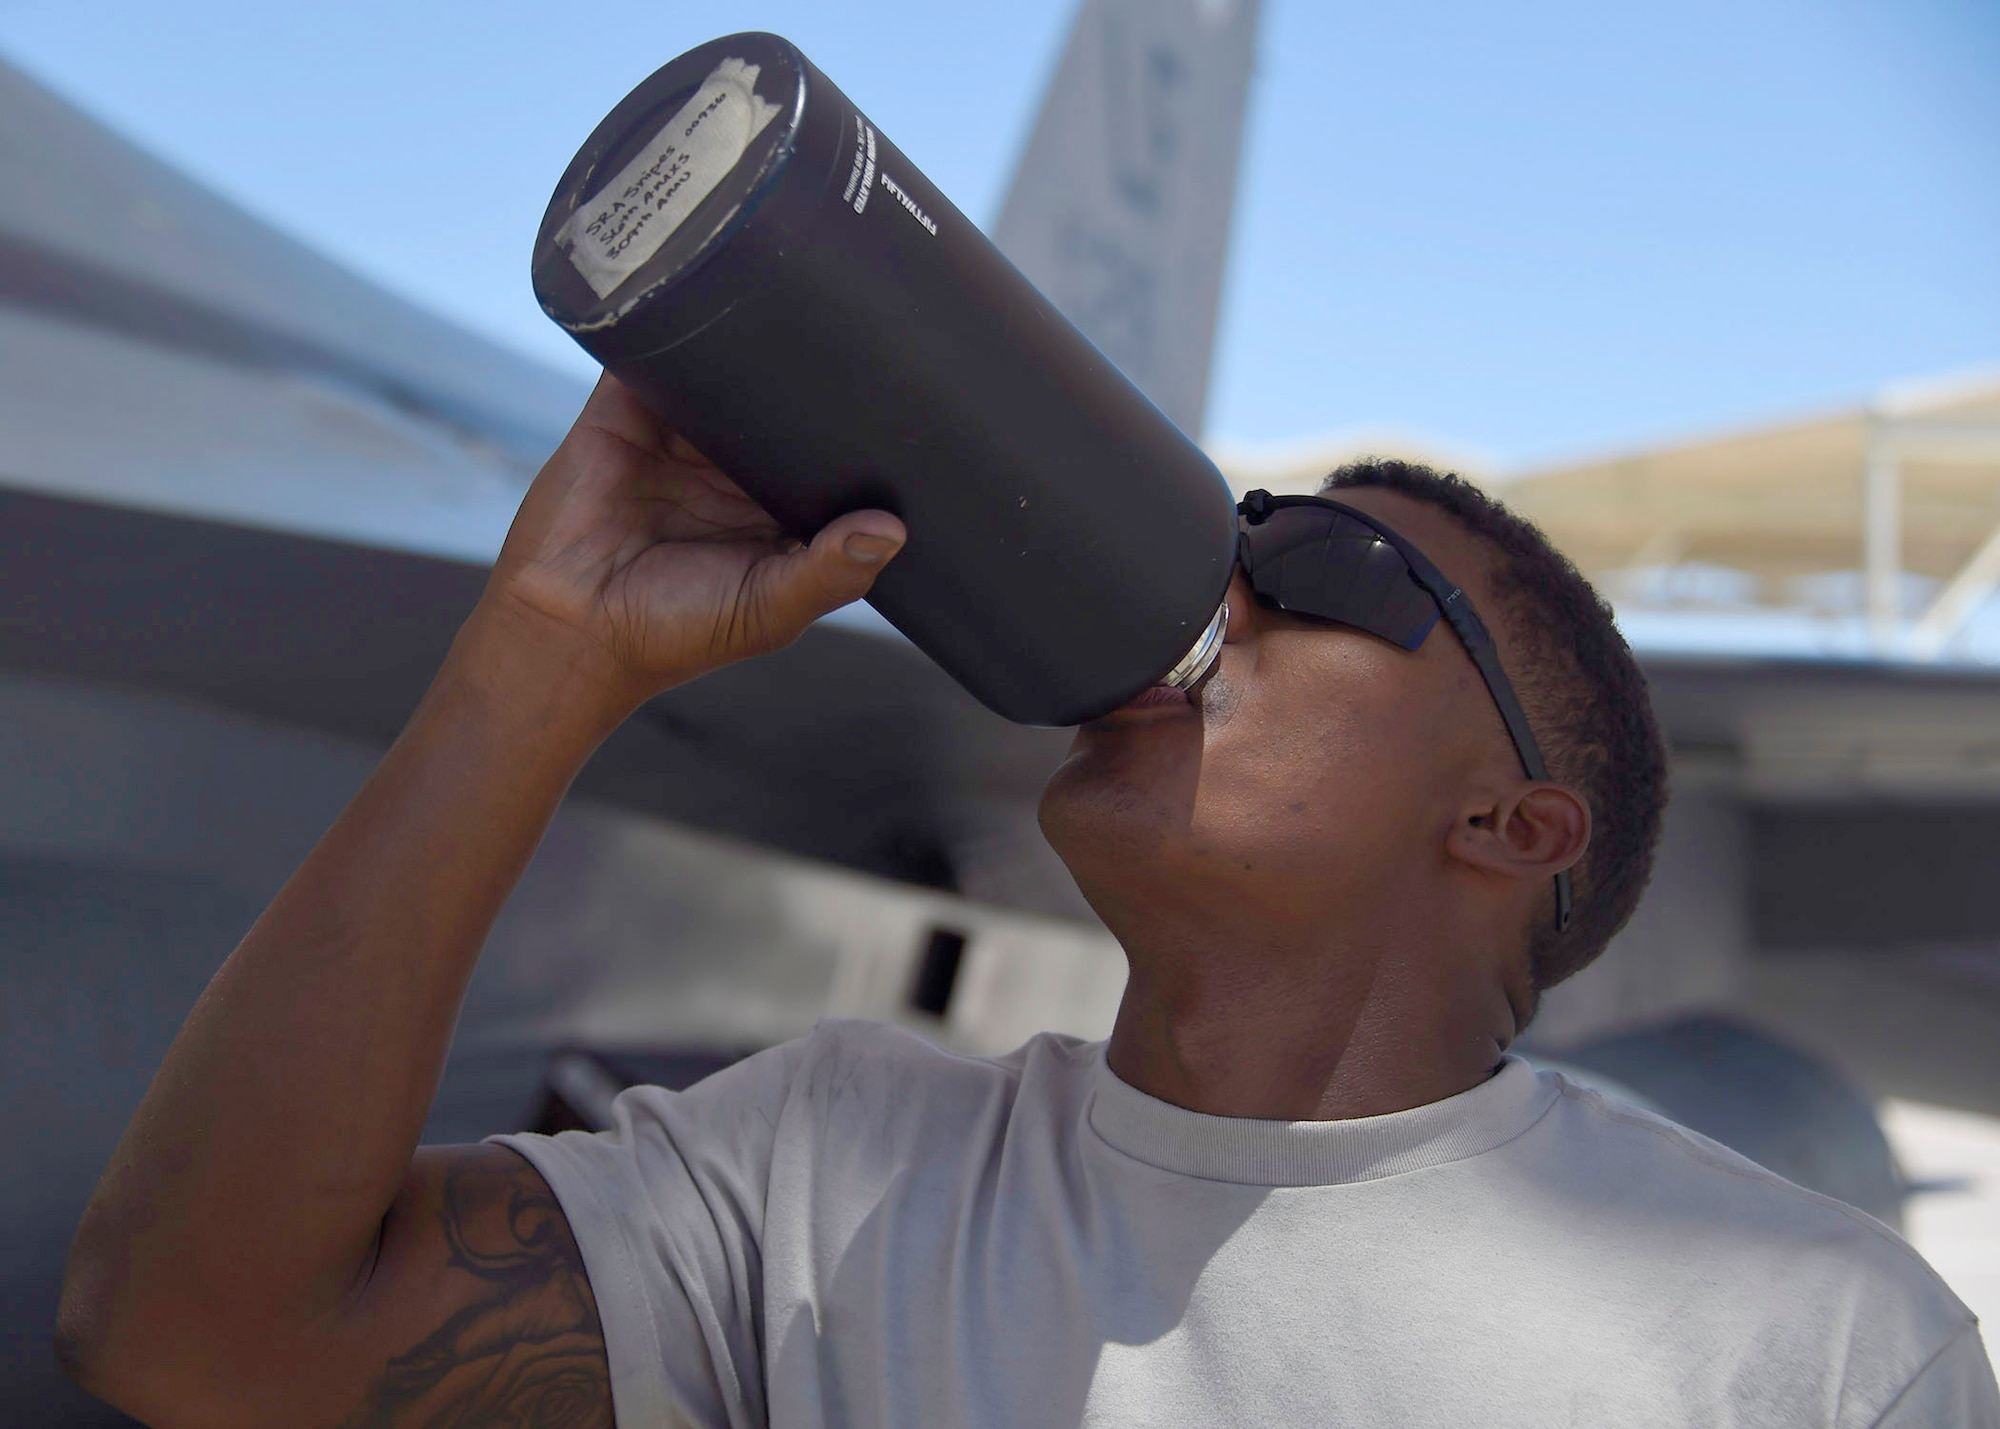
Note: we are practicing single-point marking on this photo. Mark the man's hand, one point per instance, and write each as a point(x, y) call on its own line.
point(636, 551)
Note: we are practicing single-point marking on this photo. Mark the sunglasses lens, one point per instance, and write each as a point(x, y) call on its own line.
point(1312, 561)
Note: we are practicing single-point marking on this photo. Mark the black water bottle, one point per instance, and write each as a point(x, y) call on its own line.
point(740, 246)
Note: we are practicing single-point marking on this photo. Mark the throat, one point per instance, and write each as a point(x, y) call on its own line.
point(1328, 1040)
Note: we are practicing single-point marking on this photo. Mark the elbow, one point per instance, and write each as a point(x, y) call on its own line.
point(126, 1337)
point(73, 1346)
point(82, 1343)
point(101, 1339)
point(121, 1363)
point(86, 1341)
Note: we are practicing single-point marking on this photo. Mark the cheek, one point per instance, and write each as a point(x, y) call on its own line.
point(1315, 751)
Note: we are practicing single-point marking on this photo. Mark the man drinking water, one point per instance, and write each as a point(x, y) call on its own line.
point(1303, 1183)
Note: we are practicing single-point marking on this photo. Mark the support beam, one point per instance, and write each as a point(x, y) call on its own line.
point(1974, 443)
point(1962, 596)
point(1882, 539)
point(1961, 443)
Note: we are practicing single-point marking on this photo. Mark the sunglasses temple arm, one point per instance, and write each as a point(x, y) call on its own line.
point(1472, 633)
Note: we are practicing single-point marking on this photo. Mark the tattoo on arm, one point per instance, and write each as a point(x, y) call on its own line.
point(528, 1351)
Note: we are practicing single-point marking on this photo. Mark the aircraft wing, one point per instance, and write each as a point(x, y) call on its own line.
point(233, 471)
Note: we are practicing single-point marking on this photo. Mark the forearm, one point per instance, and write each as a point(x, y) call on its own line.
point(252, 1181)
point(261, 1232)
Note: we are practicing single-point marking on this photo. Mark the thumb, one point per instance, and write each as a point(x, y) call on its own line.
point(839, 566)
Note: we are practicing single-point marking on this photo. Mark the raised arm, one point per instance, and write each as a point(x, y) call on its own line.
point(267, 1245)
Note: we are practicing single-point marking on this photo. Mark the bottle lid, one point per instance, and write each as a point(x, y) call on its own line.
point(666, 177)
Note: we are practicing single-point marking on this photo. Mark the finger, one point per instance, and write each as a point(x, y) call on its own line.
point(839, 566)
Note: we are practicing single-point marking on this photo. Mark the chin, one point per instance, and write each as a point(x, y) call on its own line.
point(1110, 807)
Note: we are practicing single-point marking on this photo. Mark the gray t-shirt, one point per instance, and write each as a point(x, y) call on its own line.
point(858, 1229)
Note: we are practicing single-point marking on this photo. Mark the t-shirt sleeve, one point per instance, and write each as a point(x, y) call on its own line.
point(1956, 1387)
point(668, 1210)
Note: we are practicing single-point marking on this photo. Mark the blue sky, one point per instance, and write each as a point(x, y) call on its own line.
point(1530, 229)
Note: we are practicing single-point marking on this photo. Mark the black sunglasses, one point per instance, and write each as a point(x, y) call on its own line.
point(1313, 556)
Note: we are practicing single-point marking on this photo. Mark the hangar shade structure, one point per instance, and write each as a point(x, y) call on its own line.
point(1870, 531)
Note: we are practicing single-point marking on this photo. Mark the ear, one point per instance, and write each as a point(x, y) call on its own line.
point(1527, 831)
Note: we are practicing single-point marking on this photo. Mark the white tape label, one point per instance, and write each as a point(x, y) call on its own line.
point(625, 224)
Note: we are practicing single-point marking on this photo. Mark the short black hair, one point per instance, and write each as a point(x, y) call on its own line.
point(1585, 698)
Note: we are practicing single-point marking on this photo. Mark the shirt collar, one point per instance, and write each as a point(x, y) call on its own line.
point(1317, 1153)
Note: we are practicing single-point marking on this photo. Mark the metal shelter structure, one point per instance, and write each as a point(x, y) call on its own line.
point(1872, 532)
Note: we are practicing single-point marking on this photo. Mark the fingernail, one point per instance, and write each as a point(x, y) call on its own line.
point(869, 550)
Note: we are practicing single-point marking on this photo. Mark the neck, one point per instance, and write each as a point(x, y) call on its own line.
point(1240, 1022)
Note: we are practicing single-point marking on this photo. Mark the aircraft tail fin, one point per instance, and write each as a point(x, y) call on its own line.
point(1120, 207)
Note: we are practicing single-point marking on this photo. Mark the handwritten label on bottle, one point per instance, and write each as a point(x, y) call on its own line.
point(609, 237)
